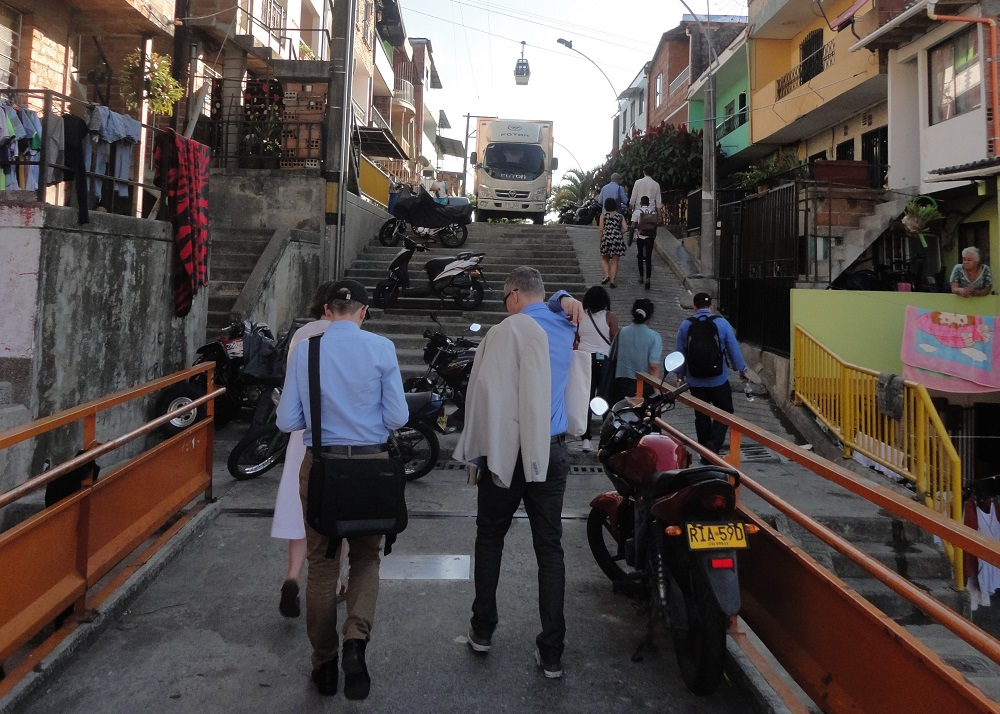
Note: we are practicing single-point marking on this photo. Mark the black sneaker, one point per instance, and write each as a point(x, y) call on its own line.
point(357, 683)
point(289, 604)
point(326, 677)
point(551, 666)
point(479, 642)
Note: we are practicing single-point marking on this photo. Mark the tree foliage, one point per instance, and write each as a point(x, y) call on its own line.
point(674, 153)
point(577, 187)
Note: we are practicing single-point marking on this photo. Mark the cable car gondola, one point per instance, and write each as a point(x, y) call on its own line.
point(522, 72)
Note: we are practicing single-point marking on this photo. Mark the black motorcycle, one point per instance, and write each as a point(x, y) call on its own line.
point(449, 365)
point(567, 215)
point(243, 357)
point(589, 212)
point(415, 445)
point(459, 278)
point(447, 224)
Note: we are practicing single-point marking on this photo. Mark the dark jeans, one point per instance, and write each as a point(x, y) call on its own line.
point(625, 387)
point(711, 433)
point(543, 503)
point(645, 255)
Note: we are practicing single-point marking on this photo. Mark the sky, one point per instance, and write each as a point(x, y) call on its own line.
point(476, 44)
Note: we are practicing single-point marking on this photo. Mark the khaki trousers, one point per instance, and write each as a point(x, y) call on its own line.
point(322, 577)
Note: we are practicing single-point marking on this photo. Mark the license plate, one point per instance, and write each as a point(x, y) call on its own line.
point(509, 204)
point(713, 536)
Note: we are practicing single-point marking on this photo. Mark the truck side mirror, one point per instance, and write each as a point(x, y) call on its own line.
point(555, 163)
point(473, 157)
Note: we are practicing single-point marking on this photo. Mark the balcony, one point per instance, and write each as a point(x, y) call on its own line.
point(403, 93)
point(679, 80)
point(808, 68)
point(122, 17)
point(779, 19)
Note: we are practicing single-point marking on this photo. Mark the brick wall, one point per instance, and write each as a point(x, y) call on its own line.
point(44, 37)
point(670, 60)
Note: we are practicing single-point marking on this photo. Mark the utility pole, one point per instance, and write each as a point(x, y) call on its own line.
point(465, 158)
point(336, 161)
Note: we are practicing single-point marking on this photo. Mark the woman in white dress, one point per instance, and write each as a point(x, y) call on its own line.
point(289, 523)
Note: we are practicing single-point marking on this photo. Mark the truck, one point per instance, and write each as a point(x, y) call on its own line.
point(513, 165)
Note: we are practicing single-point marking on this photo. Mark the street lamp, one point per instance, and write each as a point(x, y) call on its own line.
point(568, 44)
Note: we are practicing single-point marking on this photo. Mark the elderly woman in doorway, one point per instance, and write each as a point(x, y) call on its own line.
point(971, 278)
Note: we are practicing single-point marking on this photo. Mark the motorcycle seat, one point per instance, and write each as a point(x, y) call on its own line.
point(676, 479)
point(415, 401)
point(435, 265)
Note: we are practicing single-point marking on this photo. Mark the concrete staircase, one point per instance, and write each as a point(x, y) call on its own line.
point(547, 248)
point(855, 241)
point(233, 255)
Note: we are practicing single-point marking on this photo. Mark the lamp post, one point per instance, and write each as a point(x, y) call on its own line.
point(708, 156)
point(568, 44)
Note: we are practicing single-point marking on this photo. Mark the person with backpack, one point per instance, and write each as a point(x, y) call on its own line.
point(645, 221)
point(707, 341)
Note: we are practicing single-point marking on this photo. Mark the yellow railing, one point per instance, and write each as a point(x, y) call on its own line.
point(916, 446)
point(374, 182)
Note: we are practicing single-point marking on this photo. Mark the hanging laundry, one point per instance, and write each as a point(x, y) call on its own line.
point(31, 147)
point(187, 209)
point(75, 135)
point(132, 129)
point(55, 148)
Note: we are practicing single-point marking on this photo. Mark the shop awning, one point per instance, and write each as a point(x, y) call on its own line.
point(451, 147)
point(378, 143)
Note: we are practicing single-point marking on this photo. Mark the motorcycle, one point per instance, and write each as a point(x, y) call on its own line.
point(445, 223)
point(415, 445)
point(449, 365)
point(459, 278)
point(242, 365)
point(589, 212)
point(568, 214)
point(675, 526)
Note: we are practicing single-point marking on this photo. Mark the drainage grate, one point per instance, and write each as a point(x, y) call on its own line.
point(578, 469)
point(758, 454)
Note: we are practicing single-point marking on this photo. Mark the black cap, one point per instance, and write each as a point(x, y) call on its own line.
point(702, 300)
point(348, 290)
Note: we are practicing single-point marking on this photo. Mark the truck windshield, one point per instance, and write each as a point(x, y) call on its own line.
point(514, 162)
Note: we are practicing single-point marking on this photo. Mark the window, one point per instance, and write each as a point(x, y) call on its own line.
point(659, 90)
point(845, 150)
point(624, 119)
point(742, 118)
point(811, 55)
point(10, 45)
point(642, 102)
point(729, 117)
point(956, 76)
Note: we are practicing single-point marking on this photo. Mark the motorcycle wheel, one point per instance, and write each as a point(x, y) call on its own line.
point(603, 544)
point(701, 646)
point(454, 236)
point(388, 235)
point(385, 296)
point(417, 447)
point(257, 452)
point(175, 397)
point(472, 297)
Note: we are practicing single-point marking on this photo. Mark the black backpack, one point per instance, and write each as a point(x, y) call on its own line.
point(704, 348)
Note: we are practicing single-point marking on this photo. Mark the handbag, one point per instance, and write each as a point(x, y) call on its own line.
point(350, 498)
point(606, 386)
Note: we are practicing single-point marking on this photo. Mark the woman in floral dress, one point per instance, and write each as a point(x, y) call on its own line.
point(611, 228)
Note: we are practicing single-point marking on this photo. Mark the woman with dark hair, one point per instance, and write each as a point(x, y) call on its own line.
point(594, 335)
point(611, 228)
point(639, 350)
point(288, 522)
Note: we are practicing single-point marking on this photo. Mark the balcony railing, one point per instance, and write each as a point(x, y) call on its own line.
point(679, 80)
point(731, 124)
point(403, 91)
point(273, 16)
point(819, 61)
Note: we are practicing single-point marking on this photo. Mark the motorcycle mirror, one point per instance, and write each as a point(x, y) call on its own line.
point(673, 361)
point(475, 327)
point(598, 406)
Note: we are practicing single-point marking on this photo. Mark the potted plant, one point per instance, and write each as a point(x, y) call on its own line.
point(260, 140)
point(768, 172)
point(918, 215)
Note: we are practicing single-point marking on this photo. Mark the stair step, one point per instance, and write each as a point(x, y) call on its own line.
point(894, 606)
point(912, 560)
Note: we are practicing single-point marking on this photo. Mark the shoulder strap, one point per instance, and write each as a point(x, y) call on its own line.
point(591, 316)
point(314, 398)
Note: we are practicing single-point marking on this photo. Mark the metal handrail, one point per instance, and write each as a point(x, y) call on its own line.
point(917, 446)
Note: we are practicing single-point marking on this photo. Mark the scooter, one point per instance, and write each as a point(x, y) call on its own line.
point(458, 278)
point(415, 445)
point(674, 527)
point(449, 365)
point(568, 214)
point(588, 212)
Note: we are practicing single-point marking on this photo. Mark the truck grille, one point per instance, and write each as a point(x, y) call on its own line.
point(511, 194)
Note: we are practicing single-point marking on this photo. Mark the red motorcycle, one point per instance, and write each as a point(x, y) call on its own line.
point(674, 527)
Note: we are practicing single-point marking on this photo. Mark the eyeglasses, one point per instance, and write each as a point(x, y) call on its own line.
point(507, 296)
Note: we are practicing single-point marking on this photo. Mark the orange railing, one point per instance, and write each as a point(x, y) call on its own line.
point(52, 560)
point(829, 638)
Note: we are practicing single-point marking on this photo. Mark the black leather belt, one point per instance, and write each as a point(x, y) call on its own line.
point(558, 439)
point(355, 450)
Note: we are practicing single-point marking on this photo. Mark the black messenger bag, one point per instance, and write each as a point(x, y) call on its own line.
point(350, 498)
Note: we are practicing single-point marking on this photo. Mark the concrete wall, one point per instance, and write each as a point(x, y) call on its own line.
point(99, 301)
point(289, 280)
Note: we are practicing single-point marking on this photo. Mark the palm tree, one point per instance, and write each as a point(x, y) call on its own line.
point(576, 188)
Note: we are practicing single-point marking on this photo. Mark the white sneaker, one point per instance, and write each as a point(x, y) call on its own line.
point(587, 446)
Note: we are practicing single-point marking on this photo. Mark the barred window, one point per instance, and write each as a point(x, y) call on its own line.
point(10, 46)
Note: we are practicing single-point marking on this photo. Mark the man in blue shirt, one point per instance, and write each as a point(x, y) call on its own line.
point(614, 189)
point(712, 389)
point(361, 402)
point(524, 292)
